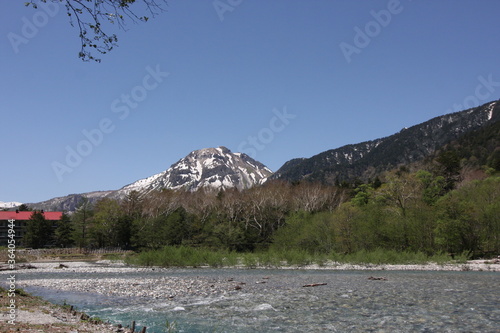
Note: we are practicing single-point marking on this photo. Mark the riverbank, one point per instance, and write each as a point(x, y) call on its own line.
point(34, 314)
point(489, 265)
point(185, 256)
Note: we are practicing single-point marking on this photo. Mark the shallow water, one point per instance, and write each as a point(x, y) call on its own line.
point(276, 301)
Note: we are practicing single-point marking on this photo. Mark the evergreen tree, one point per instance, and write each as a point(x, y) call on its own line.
point(449, 167)
point(38, 231)
point(23, 208)
point(81, 220)
point(64, 232)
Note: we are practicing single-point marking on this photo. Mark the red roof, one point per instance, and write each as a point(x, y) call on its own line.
point(23, 216)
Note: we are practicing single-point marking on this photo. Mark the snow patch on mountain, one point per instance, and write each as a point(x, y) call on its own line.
point(489, 110)
point(216, 168)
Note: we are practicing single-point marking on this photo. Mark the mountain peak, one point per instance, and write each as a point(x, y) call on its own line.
point(217, 168)
point(211, 151)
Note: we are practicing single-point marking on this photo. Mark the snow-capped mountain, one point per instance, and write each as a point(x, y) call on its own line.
point(217, 168)
point(8, 205)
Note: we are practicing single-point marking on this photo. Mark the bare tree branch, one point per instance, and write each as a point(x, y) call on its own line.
point(89, 15)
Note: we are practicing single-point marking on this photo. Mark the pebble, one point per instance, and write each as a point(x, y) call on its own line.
point(179, 308)
point(166, 287)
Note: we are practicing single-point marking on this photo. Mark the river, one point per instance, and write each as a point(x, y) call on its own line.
point(276, 300)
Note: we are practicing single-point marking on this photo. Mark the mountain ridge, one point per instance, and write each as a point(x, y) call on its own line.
point(366, 159)
point(216, 168)
point(220, 168)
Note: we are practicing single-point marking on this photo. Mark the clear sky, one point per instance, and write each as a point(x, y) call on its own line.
point(275, 79)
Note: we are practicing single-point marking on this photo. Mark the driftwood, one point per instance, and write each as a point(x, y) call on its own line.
point(377, 278)
point(314, 285)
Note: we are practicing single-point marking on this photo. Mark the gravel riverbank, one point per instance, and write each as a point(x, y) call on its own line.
point(169, 287)
point(274, 295)
point(35, 315)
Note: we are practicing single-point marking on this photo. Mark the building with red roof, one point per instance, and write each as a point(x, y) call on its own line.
point(17, 221)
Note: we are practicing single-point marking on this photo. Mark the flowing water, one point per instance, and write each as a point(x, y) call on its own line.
point(277, 301)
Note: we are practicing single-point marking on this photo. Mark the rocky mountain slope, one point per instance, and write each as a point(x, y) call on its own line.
point(69, 202)
point(219, 168)
point(216, 168)
point(367, 159)
point(210, 167)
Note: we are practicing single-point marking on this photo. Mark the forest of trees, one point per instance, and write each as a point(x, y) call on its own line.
point(420, 211)
point(448, 203)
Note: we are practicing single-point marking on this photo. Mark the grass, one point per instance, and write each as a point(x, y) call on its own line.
point(382, 256)
point(184, 256)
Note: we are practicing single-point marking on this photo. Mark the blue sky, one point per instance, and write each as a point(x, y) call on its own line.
point(276, 79)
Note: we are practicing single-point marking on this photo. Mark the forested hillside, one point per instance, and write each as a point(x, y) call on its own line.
point(367, 160)
point(448, 202)
point(408, 211)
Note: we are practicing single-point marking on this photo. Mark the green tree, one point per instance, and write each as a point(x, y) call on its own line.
point(433, 187)
point(293, 234)
point(364, 193)
point(81, 219)
point(23, 208)
point(494, 159)
point(133, 205)
point(401, 190)
point(469, 218)
point(312, 232)
point(172, 228)
point(176, 227)
point(38, 231)
point(455, 226)
point(345, 227)
point(63, 234)
point(107, 224)
point(145, 233)
point(421, 223)
point(449, 167)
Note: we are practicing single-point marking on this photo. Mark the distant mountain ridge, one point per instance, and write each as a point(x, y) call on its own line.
point(219, 168)
point(7, 205)
point(216, 168)
point(367, 159)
